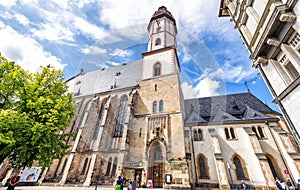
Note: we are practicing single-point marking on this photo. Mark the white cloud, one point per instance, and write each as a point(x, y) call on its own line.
point(121, 53)
point(8, 3)
point(23, 20)
point(88, 29)
point(25, 51)
point(207, 87)
point(186, 57)
point(112, 63)
point(53, 32)
point(188, 91)
point(94, 50)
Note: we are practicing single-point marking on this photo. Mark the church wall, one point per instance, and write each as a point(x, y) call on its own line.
point(167, 63)
point(137, 141)
point(275, 145)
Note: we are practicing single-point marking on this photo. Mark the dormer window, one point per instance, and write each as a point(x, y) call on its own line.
point(156, 69)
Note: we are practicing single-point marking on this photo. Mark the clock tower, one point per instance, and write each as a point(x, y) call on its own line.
point(159, 114)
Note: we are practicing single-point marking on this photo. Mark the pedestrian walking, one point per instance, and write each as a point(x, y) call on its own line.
point(118, 183)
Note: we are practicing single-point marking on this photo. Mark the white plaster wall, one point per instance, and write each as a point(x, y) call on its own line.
point(292, 107)
point(244, 149)
point(259, 6)
point(205, 148)
point(274, 78)
point(170, 39)
point(156, 36)
point(167, 64)
point(251, 25)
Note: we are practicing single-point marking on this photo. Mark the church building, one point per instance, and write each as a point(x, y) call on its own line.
point(133, 120)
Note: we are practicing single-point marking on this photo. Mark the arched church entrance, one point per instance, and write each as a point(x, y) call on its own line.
point(156, 169)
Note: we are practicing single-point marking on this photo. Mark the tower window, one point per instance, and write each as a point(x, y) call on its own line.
point(154, 107)
point(157, 41)
point(161, 106)
point(157, 69)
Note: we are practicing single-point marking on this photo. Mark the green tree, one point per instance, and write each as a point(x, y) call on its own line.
point(34, 110)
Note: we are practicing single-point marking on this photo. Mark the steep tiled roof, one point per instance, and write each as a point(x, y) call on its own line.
point(233, 107)
point(112, 78)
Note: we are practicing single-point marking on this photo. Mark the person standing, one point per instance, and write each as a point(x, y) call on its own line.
point(123, 181)
point(138, 179)
point(14, 180)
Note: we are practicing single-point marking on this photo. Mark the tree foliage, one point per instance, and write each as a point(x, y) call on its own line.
point(34, 110)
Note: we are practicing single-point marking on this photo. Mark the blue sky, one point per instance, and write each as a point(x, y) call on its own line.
point(92, 34)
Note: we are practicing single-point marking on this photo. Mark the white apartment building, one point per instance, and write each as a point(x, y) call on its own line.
point(270, 30)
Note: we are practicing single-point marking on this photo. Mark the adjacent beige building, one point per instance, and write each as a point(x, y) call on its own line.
point(270, 30)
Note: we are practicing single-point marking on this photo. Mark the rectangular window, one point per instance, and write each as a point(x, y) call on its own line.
point(290, 71)
point(293, 73)
point(230, 133)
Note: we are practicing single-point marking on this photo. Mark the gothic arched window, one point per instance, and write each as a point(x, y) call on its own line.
point(156, 69)
point(254, 130)
point(98, 124)
point(114, 168)
point(63, 168)
point(108, 167)
point(203, 167)
point(227, 133)
point(154, 107)
point(200, 135)
point(161, 106)
point(232, 133)
point(121, 117)
point(272, 167)
point(195, 135)
point(239, 168)
point(261, 133)
point(84, 166)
